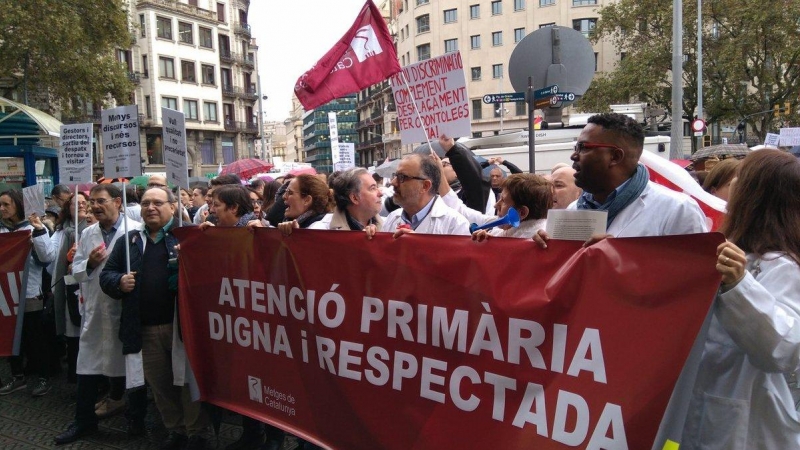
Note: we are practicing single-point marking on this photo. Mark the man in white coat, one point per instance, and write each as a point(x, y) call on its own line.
point(421, 209)
point(100, 349)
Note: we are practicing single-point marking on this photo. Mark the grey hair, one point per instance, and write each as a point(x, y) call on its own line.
point(345, 183)
point(431, 171)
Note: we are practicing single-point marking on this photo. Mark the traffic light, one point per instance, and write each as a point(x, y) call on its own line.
point(787, 108)
point(706, 140)
point(776, 111)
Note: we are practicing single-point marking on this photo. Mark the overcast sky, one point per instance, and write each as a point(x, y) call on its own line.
point(292, 35)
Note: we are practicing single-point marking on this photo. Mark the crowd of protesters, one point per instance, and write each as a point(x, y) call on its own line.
point(742, 396)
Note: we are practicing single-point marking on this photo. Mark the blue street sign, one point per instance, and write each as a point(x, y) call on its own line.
point(546, 92)
point(565, 96)
point(507, 97)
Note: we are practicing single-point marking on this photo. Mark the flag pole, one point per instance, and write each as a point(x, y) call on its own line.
point(414, 103)
point(77, 235)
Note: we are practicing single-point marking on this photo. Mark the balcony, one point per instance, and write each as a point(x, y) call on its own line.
point(228, 91)
point(249, 94)
point(248, 127)
point(230, 125)
point(227, 57)
point(94, 117)
point(176, 6)
point(248, 61)
point(376, 113)
point(134, 77)
point(243, 29)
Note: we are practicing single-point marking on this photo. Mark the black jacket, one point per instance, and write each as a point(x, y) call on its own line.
point(474, 189)
point(130, 329)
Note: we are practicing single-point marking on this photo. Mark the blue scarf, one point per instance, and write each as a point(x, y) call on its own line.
point(625, 197)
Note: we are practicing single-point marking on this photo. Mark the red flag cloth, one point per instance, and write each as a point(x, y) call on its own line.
point(365, 55)
point(15, 248)
point(429, 342)
point(673, 176)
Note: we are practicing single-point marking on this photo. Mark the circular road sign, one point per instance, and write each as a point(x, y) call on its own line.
point(487, 99)
point(698, 125)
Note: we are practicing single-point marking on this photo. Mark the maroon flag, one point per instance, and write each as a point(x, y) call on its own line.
point(365, 55)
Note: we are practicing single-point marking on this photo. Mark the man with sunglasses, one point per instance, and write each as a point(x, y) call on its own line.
point(100, 349)
point(421, 209)
point(606, 163)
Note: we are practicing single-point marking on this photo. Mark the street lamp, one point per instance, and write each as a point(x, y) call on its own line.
point(261, 99)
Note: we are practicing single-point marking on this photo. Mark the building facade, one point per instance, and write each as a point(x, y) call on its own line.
point(316, 132)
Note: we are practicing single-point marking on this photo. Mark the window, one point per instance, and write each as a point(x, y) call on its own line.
point(450, 45)
point(148, 108)
point(190, 109)
point(206, 38)
point(220, 12)
point(210, 111)
point(497, 7)
point(583, 2)
point(145, 67)
point(519, 5)
point(585, 26)
point(208, 74)
point(185, 32)
point(166, 67)
point(497, 38)
point(497, 71)
point(423, 52)
point(164, 27)
point(521, 108)
point(142, 25)
point(519, 33)
point(595, 61)
point(423, 24)
point(474, 11)
point(207, 151)
point(188, 72)
point(169, 102)
point(476, 73)
point(545, 25)
point(547, 2)
point(475, 41)
point(423, 2)
point(477, 106)
point(450, 15)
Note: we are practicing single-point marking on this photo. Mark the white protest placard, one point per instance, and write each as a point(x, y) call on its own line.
point(33, 200)
point(333, 131)
point(174, 143)
point(438, 88)
point(75, 154)
point(121, 154)
point(790, 137)
point(772, 139)
point(347, 156)
point(575, 225)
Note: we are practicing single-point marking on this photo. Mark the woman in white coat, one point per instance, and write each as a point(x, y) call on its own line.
point(742, 394)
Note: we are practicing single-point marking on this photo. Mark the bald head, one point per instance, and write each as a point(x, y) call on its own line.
point(566, 191)
point(157, 181)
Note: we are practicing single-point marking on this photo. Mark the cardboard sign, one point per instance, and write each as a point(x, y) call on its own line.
point(346, 156)
point(174, 143)
point(121, 154)
point(33, 198)
point(438, 89)
point(790, 137)
point(75, 154)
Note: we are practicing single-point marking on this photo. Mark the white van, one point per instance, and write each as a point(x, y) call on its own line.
point(552, 147)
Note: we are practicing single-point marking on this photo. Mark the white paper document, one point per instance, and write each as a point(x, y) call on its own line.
point(33, 200)
point(575, 225)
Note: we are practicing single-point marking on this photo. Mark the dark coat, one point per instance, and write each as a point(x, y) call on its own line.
point(130, 329)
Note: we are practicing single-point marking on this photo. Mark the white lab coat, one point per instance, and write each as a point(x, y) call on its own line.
point(659, 211)
point(741, 399)
point(100, 351)
point(440, 220)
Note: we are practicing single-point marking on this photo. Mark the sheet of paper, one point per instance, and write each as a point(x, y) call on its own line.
point(33, 198)
point(574, 225)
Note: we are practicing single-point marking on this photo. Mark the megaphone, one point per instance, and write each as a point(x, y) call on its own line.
point(511, 218)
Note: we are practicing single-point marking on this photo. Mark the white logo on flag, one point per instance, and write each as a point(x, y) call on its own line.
point(254, 385)
point(365, 43)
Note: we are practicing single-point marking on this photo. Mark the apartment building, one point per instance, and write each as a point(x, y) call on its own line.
point(195, 56)
point(316, 132)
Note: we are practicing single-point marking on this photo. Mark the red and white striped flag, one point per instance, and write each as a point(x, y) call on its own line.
point(673, 176)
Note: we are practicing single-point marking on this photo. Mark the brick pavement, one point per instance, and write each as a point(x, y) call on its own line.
point(28, 422)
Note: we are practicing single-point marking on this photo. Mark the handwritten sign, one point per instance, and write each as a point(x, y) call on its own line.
point(121, 154)
point(174, 137)
point(75, 154)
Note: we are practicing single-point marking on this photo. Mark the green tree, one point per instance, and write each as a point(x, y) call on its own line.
point(65, 49)
point(750, 59)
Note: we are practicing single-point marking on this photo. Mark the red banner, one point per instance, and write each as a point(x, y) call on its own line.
point(14, 248)
point(439, 342)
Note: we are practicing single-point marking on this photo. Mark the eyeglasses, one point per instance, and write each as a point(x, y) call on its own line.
point(257, 202)
point(99, 201)
point(156, 203)
point(402, 178)
point(583, 147)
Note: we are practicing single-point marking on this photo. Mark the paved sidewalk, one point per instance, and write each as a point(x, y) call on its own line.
point(28, 422)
